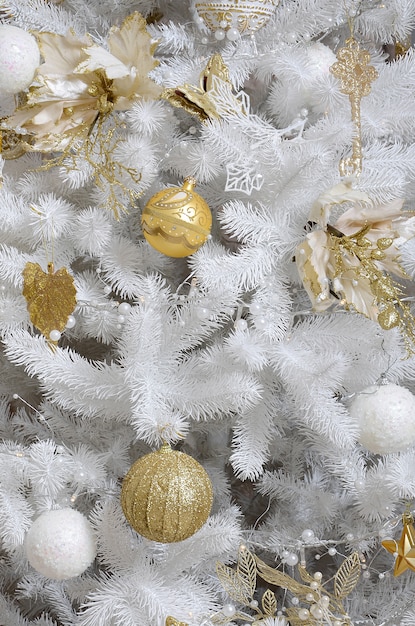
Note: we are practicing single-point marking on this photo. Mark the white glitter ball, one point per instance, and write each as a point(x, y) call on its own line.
point(321, 58)
point(60, 544)
point(386, 418)
point(19, 59)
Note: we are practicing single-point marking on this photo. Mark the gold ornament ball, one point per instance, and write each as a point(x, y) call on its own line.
point(166, 495)
point(177, 221)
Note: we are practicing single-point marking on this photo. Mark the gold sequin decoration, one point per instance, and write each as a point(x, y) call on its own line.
point(166, 496)
point(356, 76)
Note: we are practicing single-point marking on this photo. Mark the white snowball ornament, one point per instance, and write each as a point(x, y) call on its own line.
point(320, 59)
point(386, 418)
point(19, 59)
point(60, 544)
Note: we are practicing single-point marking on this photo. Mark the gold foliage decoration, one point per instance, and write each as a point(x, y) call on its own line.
point(347, 576)
point(314, 595)
point(269, 603)
point(246, 571)
point(50, 296)
point(234, 586)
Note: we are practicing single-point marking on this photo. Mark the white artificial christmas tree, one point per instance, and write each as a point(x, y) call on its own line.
point(242, 354)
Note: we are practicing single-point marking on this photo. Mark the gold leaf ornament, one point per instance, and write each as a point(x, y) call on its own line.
point(50, 297)
point(347, 576)
point(238, 583)
point(269, 603)
point(234, 586)
point(246, 570)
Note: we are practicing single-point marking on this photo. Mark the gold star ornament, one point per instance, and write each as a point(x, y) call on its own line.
point(404, 549)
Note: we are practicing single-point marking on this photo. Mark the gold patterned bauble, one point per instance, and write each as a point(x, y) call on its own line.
point(246, 16)
point(177, 221)
point(166, 495)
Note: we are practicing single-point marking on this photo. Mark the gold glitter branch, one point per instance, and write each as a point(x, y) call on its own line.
point(356, 75)
point(98, 149)
point(357, 257)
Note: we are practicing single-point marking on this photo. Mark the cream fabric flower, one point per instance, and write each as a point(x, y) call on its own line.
point(79, 81)
point(349, 262)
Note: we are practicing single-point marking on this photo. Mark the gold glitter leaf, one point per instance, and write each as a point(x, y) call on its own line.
point(347, 576)
point(171, 621)
point(232, 583)
point(388, 318)
point(51, 297)
point(246, 570)
point(269, 603)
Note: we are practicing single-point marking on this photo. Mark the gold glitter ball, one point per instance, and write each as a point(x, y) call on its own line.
point(177, 221)
point(166, 496)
